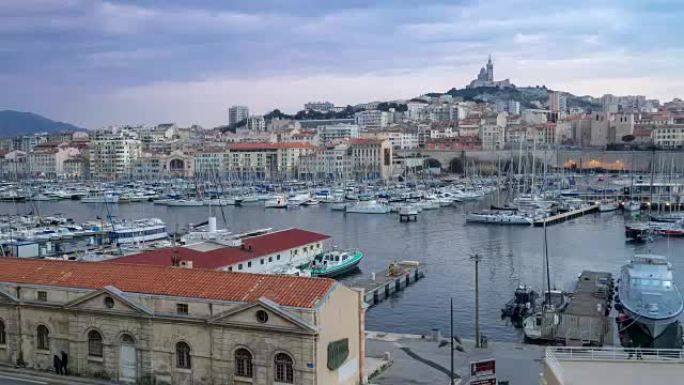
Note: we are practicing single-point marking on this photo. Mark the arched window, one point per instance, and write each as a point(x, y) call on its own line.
point(183, 355)
point(243, 363)
point(3, 336)
point(94, 344)
point(43, 335)
point(284, 368)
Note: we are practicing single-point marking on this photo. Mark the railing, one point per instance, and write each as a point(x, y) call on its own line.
point(614, 354)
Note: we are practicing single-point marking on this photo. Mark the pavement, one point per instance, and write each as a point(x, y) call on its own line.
point(419, 360)
point(15, 376)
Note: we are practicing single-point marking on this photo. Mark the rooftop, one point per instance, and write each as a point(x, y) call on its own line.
point(172, 281)
point(269, 146)
point(217, 257)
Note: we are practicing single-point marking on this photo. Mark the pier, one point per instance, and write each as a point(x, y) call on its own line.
point(553, 219)
point(398, 276)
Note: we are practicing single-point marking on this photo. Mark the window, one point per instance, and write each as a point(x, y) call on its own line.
point(270, 259)
point(240, 267)
point(243, 363)
point(94, 344)
point(183, 355)
point(284, 368)
point(278, 257)
point(3, 336)
point(42, 296)
point(249, 264)
point(109, 302)
point(262, 316)
point(43, 335)
point(182, 308)
point(262, 261)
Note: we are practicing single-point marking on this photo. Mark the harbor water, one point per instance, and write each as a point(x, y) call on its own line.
point(440, 239)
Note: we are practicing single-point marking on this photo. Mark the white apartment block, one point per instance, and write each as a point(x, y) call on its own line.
point(112, 154)
point(372, 119)
point(510, 106)
point(671, 136)
point(371, 158)
point(401, 140)
point(319, 106)
point(335, 132)
point(265, 160)
point(333, 162)
point(237, 114)
point(256, 123)
point(208, 162)
point(492, 136)
point(48, 160)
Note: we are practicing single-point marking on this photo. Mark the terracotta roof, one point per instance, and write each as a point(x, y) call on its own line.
point(268, 146)
point(360, 141)
point(254, 247)
point(193, 283)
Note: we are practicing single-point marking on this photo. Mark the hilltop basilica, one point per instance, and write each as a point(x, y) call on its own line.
point(486, 78)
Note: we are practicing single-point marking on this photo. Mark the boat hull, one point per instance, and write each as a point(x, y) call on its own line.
point(338, 272)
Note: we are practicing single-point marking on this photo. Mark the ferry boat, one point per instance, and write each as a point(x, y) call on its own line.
point(335, 263)
point(140, 230)
point(647, 293)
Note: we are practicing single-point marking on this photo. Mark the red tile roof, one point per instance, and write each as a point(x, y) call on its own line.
point(254, 247)
point(363, 141)
point(268, 146)
point(172, 281)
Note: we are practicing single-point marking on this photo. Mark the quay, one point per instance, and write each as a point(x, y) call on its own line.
point(397, 277)
point(553, 219)
point(586, 320)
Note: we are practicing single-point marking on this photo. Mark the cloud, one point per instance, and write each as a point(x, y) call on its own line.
point(58, 55)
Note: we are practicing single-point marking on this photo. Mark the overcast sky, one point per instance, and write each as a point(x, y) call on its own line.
point(95, 63)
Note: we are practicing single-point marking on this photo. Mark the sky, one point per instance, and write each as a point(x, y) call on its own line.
point(97, 63)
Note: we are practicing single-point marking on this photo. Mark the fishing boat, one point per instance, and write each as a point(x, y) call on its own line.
point(647, 293)
point(335, 263)
point(520, 306)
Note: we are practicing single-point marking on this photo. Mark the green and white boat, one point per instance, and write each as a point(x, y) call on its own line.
point(335, 263)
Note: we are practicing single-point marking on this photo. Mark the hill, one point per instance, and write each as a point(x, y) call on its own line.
point(13, 123)
point(527, 96)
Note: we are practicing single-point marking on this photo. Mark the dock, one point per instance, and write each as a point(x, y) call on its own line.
point(553, 219)
point(586, 319)
point(397, 277)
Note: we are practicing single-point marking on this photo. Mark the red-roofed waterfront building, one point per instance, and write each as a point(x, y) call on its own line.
point(171, 325)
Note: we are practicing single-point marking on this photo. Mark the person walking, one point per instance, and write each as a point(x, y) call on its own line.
point(65, 361)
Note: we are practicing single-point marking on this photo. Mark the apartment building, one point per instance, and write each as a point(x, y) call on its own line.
point(112, 154)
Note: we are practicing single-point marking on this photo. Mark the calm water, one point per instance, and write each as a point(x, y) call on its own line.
point(441, 240)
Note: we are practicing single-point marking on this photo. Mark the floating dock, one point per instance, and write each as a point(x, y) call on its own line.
point(553, 219)
point(398, 276)
point(586, 319)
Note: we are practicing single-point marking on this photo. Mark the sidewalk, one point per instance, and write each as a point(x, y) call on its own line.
point(421, 361)
point(30, 375)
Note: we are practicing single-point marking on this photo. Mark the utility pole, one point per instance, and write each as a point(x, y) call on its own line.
point(476, 258)
point(451, 313)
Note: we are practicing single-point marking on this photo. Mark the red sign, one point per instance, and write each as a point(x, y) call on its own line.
point(483, 368)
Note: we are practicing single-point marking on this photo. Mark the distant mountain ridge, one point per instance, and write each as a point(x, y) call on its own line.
point(13, 123)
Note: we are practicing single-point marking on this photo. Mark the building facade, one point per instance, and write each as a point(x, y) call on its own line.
point(112, 154)
point(177, 326)
point(237, 114)
point(265, 160)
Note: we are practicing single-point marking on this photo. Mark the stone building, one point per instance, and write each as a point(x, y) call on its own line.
point(170, 325)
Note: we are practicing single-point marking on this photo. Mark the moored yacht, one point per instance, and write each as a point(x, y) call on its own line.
point(500, 217)
point(648, 294)
point(139, 230)
point(368, 207)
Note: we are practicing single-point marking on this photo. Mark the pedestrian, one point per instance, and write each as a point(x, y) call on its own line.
point(65, 361)
point(57, 363)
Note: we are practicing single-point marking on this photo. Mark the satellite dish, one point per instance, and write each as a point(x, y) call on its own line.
point(628, 138)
